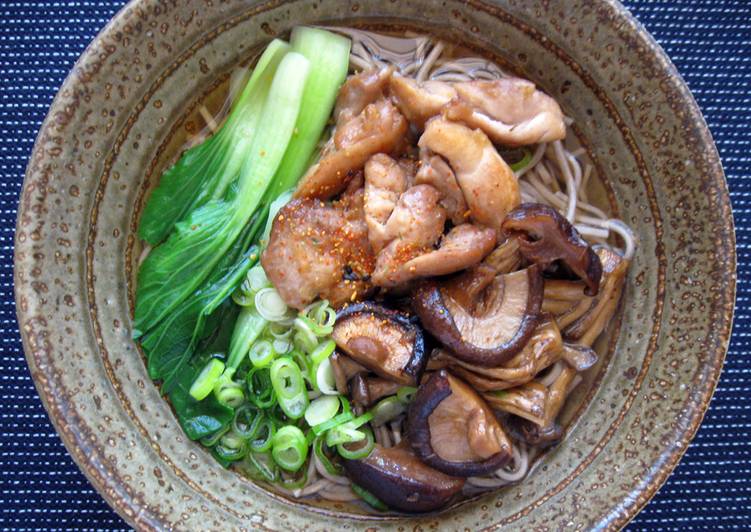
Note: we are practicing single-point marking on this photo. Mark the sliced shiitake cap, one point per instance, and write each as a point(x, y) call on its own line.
point(386, 342)
point(452, 429)
point(484, 318)
point(400, 480)
point(543, 349)
point(550, 237)
point(344, 369)
point(366, 390)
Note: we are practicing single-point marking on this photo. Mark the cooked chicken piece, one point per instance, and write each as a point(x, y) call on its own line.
point(319, 250)
point(360, 90)
point(385, 182)
point(415, 224)
point(463, 246)
point(436, 172)
point(379, 128)
point(487, 182)
point(509, 110)
point(420, 101)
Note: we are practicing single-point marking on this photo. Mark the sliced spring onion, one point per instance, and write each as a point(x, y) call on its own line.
point(332, 468)
point(248, 328)
point(247, 421)
point(288, 384)
point(386, 410)
point(321, 410)
point(260, 466)
point(321, 314)
point(210, 441)
point(242, 298)
point(231, 447)
point(264, 436)
point(281, 347)
point(279, 331)
point(286, 378)
point(207, 379)
point(260, 390)
point(229, 392)
point(347, 432)
point(289, 448)
point(261, 353)
point(342, 418)
point(324, 378)
point(369, 498)
point(294, 407)
point(523, 162)
point(257, 279)
point(322, 351)
point(358, 450)
point(270, 304)
point(405, 394)
point(305, 338)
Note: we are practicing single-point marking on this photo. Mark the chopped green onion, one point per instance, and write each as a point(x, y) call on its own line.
point(248, 328)
point(321, 314)
point(242, 298)
point(229, 393)
point(264, 436)
point(281, 347)
point(318, 448)
point(323, 351)
point(231, 447)
point(332, 423)
point(257, 279)
point(305, 338)
point(261, 353)
point(386, 410)
point(294, 407)
point(358, 450)
point(247, 421)
point(321, 410)
point(523, 162)
point(260, 466)
point(210, 441)
point(260, 391)
point(207, 379)
point(286, 378)
point(279, 331)
point(347, 432)
point(270, 305)
point(324, 378)
point(405, 394)
point(289, 448)
point(369, 498)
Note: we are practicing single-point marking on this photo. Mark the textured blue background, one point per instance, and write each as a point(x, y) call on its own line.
point(41, 488)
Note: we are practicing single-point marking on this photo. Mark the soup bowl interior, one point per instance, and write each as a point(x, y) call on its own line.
point(133, 101)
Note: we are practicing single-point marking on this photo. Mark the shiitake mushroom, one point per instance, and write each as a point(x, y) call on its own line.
point(546, 236)
point(452, 429)
point(484, 318)
point(386, 342)
point(366, 390)
point(402, 481)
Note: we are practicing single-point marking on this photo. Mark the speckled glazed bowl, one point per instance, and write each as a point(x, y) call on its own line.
point(130, 102)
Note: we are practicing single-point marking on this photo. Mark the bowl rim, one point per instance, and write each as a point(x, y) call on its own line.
point(110, 489)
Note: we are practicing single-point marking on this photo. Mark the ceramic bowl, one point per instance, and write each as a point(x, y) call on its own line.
point(131, 101)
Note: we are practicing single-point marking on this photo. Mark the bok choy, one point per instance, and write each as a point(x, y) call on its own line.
point(173, 270)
